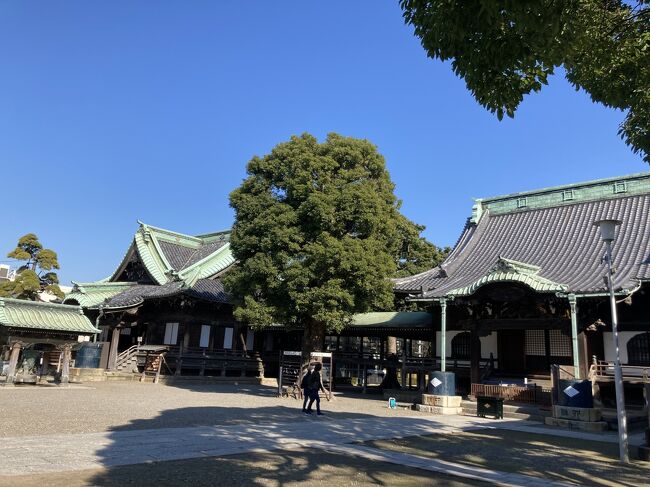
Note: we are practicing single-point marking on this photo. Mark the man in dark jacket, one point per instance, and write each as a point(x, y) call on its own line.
point(304, 385)
point(315, 385)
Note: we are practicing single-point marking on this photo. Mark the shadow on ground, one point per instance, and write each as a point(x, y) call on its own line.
point(227, 452)
point(275, 469)
point(554, 458)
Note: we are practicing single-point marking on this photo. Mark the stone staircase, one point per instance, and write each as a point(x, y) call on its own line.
point(129, 365)
point(511, 411)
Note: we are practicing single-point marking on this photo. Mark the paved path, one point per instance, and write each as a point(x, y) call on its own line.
point(60, 453)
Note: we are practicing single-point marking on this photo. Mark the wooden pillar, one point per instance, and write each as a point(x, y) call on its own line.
point(13, 362)
point(112, 354)
point(65, 367)
point(443, 335)
point(475, 357)
point(573, 303)
point(403, 367)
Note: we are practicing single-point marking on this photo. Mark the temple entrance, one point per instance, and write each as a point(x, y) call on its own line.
point(511, 351)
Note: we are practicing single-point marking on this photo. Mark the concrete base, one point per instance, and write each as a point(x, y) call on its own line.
point(577, 414)
point(592, 426)
point(87, 374)
point(438, 410)
point(441, 401)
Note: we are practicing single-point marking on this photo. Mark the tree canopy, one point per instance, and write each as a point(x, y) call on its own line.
point(317, 234)
point(505, 49)
point(36, 274)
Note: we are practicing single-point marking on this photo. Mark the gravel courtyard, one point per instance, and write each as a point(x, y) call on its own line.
point(127, 433)
point(102, 406)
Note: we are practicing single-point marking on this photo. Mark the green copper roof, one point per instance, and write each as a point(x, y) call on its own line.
point(16, 313)
point(392, 319)
point(209, 266)
point(507, 270)
point(174, 261)
point(92, 294)
point(152, 245)
point(599, 189)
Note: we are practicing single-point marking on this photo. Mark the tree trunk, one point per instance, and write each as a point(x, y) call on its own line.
point(312, 339)
point(390, 380)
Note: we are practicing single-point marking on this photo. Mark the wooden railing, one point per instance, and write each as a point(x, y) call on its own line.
point(125, 356)
point(604, 371)
point(528, 394)
point(225, 362)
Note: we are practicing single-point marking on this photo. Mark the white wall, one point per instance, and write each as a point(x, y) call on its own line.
point(488, 344)
point(623, 338)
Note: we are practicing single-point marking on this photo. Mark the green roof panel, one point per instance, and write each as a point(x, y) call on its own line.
point(17, 313)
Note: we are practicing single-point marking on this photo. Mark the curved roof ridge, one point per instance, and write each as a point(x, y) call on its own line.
point(209, 266)
point(581, 184)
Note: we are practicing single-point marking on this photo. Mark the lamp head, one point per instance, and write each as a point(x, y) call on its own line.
point(607, 229)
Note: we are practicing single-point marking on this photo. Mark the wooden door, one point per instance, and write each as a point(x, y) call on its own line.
point(512, 352)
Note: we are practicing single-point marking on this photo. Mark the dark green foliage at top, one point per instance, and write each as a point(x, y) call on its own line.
point(317, 235)
point(505, 49)
point(32, 278)
point(417, 253)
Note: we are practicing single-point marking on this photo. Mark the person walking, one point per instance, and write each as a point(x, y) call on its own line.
point(315, 385)
point(304, 385)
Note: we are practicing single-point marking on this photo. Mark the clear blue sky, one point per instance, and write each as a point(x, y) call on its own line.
point(112, 112)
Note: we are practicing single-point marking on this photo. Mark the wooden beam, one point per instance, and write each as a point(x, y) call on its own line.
point(13, 362)
point(112, 354)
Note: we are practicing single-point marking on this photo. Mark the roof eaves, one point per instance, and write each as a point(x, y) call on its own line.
point(151, 256)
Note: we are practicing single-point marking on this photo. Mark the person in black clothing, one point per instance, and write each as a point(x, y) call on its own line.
point(315, 385)
point(304, 385)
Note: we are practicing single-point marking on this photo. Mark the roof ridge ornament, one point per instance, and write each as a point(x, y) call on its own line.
point(508, 270)
point(513, 266)
point(477, 210)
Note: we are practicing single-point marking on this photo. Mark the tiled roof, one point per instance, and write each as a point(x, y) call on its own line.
point(177, 263)
point(92, 294)
point(166, 254)
point(181, 257)
point(205, 289)
point(547, 241)
point(16, 313)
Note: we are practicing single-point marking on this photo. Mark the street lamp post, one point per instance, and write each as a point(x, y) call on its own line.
point(608, 233)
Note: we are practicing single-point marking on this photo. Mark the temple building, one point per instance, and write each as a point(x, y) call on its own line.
point(522, 290)
point(166, 295)
point(524, 287)
point(37, 339)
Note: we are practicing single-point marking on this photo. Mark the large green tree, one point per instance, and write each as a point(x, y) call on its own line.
point(505, 49)
point(36, 274)
point(317, 236)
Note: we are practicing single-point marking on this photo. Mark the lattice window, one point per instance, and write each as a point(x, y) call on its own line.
point(560, 344)
point(535, 343)
point(461, 346)
point(638, 349)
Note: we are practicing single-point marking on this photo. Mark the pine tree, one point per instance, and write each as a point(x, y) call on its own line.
point(36, 274)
